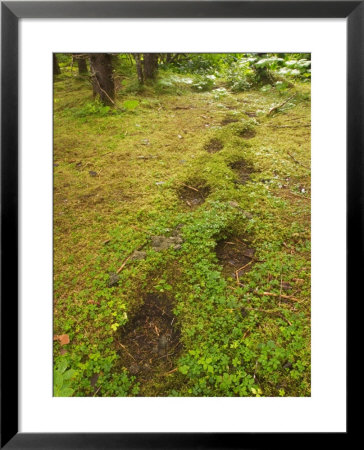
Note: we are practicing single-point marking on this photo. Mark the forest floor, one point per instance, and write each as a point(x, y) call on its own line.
point(182, 241)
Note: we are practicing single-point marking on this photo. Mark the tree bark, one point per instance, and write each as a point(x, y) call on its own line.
point(56, 69)
point(150, 65)
point(82, 65)
point(102, 77)
point(139, 68)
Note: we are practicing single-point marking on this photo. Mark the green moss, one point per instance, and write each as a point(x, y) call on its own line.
point(236, 340)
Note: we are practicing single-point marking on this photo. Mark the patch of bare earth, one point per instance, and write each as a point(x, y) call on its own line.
point(149, 344)
point(228, 120)
point(214, 145)
point(243, 170)
point(247, 134)
point(193, 194)
point(235, 256)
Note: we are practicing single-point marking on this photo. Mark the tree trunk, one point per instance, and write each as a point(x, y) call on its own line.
point(82, 65)
point(102, 77)
point(56, 69)
point(150, 65)
point(139, 68)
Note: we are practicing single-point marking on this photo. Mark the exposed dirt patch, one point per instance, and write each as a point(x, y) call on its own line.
point(236, 257)
point(228, 120)
point(214, 145)
point(243, 170)
point(251, 113)
point(193, 194)
point(183, 107)
point(247, 134)
point(91, 197)
point(150, 342)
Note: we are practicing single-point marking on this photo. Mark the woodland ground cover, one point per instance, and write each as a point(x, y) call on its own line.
point(182, 230)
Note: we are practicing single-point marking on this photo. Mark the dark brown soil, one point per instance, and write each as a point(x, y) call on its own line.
point(214, 145)
point(149, 343)
point(251, 113)
point(235, 256)
point(228, 120)
point(193, 194)
point(248, 134)
point(243, 170)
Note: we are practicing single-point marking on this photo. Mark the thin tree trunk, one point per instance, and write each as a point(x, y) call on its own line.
point(56, 69)
point(102, 77)
point(139, 67)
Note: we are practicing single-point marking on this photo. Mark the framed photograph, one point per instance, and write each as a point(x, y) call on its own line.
point(181, 211)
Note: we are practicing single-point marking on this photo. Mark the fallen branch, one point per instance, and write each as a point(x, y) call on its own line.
point(171, 371)
point(298, 162)
point(190, 187)
point(124, 262)
point(275, 108)
point(241, 268)
point(97, 391)
point(288, 297)
point(123, 347)
point(127, 259)
point(242, 241)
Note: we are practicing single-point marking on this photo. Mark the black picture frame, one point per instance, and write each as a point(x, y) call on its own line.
point(11, 12)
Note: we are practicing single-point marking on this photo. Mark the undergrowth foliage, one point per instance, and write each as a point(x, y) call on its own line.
point(232, 131)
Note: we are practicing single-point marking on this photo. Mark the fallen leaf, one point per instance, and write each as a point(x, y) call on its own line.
point(62, 338)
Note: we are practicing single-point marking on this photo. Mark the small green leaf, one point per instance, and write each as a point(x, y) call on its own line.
point(65, 392)
point(62, 366)
point(69, 374)
point(58, 380)
point(184, 369)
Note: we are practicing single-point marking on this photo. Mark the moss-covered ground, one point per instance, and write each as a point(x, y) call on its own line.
point(230, 182)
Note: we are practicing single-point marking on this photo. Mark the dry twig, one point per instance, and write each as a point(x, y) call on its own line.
point(127, 259)
point(298, 162)
point(171, 371)
point(124, 262)
point(97, 391)
point(123, 347)
point(288, 297)
point(275, 108)
point(190, 187)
